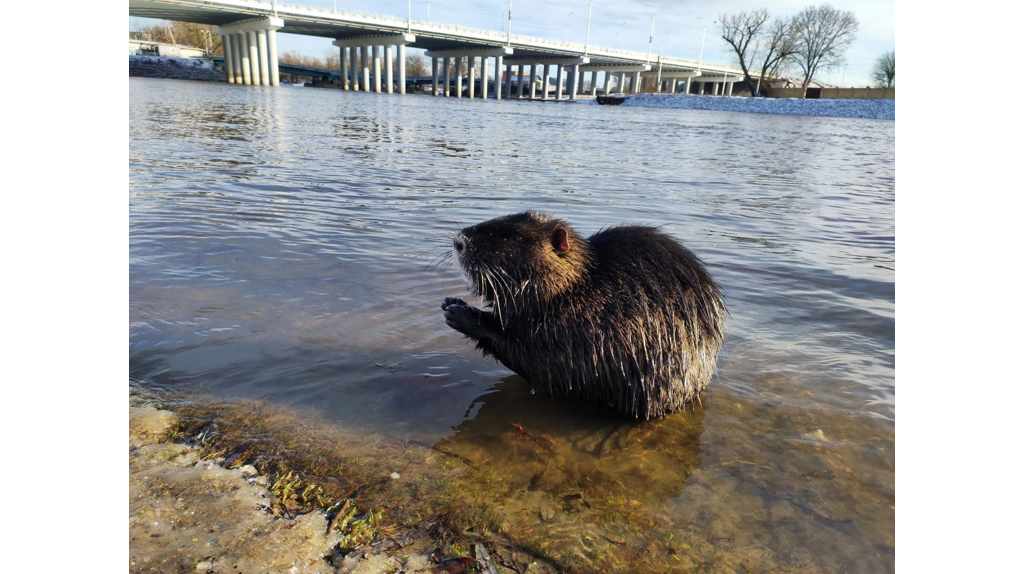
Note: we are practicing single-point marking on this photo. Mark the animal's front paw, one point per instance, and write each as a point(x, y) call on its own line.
point(462, 318)
point(449, 301)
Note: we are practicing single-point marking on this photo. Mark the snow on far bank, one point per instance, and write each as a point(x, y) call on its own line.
point(866, 109)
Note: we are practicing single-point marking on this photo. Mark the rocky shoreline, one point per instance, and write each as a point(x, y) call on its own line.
point(174, 68)
point(190, 512)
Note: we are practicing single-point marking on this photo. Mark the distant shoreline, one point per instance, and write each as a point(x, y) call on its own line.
point(833, 108)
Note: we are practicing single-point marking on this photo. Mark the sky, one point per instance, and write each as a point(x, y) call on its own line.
point(678, 25)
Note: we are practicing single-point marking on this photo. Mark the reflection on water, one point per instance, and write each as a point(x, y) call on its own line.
point(280, 248)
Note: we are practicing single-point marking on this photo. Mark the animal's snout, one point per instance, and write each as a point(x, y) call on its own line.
point(459, 242)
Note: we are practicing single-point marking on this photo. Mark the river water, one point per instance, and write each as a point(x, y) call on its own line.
point(280, 247)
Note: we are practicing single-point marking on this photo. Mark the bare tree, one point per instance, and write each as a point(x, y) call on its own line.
point(777, 47)
point(824, 34)
point(741, 31)
point(415, 66)
point(884, 72)
point(332, 59)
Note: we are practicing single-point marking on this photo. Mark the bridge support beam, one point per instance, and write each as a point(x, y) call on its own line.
point(344, 68)
point(558, 82)
point(577, 81)
point(522, 74)
point(499, 84)
point(433, 70)
point(382, 48)
point(365, 63)
point(229, 61)
point(252, 45)
point(458, 77)
point(447, 78)
point(636, 82)
point(607, 82)
point(389, 62)
point(246, 66)
point(686, 90)
point(236, 56)
point(375, 54)
point(472, 77)
point(483, 77)
point(507, 83)
point(261, 42)
point(275, 75)
point(728, 89)
point(593, 83)
point(401, 69)
point(254, 58)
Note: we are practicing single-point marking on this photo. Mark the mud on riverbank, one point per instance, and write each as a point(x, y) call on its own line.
point(518, 495)
point(207, 495)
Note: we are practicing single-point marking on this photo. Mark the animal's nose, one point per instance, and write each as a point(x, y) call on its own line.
point(459, 242)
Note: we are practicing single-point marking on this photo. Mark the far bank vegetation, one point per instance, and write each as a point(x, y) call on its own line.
point(766, 46)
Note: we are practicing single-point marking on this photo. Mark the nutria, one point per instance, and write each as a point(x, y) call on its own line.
point(627, 317)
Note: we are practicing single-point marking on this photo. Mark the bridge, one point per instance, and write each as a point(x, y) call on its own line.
point(368, 42)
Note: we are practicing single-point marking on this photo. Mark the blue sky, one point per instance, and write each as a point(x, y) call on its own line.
point(677, 27)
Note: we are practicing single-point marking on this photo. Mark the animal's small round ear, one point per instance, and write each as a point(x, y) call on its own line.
point(560, 241)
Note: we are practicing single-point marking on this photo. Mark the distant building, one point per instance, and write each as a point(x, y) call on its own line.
point(147, 48)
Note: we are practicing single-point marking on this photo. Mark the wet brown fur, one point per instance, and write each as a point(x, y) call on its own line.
point(627, 317)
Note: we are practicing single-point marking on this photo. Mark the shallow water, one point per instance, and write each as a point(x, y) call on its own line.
point(280, 243)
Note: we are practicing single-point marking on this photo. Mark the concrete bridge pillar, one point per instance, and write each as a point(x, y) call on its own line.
point(508, 81)
point(458, 77)
point(672, 85)
point(580, 86)
point(559, 72)
point(353, 56)
point(483, 77)
point(607, 82)
point(447, 77)
point(401, 69)
point(472, 77)
point(250, 51)
point(375, 52)
point(593, 83)
point(275, 75)
point(728, 88)
point(254, 58)
point(389, 62)
point(229, 64)
point(246, 65)
point(364, 62)
point(657, 83)
point(344, 67)
point(716, 88)
point(544, 82)
point(522, 74)
point(433, 68)
point(261, 42)
point(499, 83)
point(636, 82)
point(686, 90)
point(236, 56)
